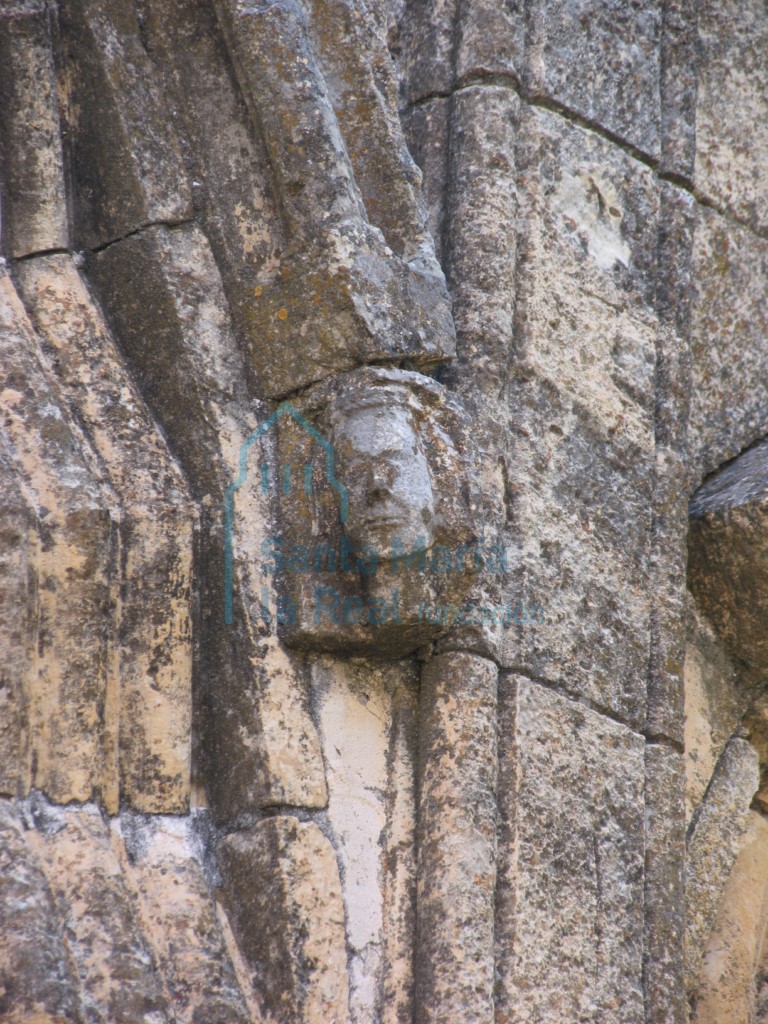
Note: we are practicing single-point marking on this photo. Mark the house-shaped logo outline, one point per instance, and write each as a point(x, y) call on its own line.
point(284, 409)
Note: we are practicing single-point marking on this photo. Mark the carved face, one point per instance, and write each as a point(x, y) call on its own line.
point(381, 462)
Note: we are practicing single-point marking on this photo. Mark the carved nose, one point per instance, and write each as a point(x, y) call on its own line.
point(378, 483)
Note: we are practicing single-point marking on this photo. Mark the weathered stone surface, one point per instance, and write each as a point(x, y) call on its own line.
point(728, 324)
point(755, 725)
point(157, 528)
point(125, 155)
point(677, 218)
point(728, 555)
point(34, 203)
point(578, 559)
point(582, 418)
point(732, 107)
point(117, 973)
point(19, 541)
point(397, 989)
point(73, 699)
point(426, 129)
point(362, 86)
point(663, 956)
point(725, 992)
point(589, 221)
point(601, 60)
point(233, 194)
point(446, 44)
point(481, 236)
point(713, 843)
point(340, 296)
point(425, 49)
point(163, 294)
point(669, 552)
point(377, 555)
point(367, 718)
point(181, 922)
point(715, 704)
point(37, 981)
point(679, 42)
point(456, 840)
point(283, 896)
point(570, 896)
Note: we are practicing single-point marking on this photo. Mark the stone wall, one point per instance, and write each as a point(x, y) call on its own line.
point(245, 246)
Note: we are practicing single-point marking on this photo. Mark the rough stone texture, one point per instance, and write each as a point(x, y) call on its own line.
point(663, 958)
point(715, 703)
point(34, 201)
point(727, 564)
point(19, 540)
point(182, 922)
point(456, 840)
point(728, 325)
point(732, 107)
point(599, 301)
point(367, 718)
point(163, 293)
point(426, 128)
point(671, 485)
point(37, 981)
point(726, 988)
point(714, 839)
point(349, 293)
point(119, 979)
point(755, 726)
point(570, 896)
point(601, 60)
point(480, 233)
point(72, 700)
point(284, 900)
point(125, 156)
point(678, 85)
point(233, 193)
point(445, 43)
point(582, 433)
point(156, 531)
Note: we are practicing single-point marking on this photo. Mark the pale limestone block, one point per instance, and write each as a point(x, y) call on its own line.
point(34, 195)
point(600, 60)
point(732, 107)
point(367, 718)
point(73, 703)
point(180, 920)
point(456, 872)
point(713, 844)
point(38, 983)
point(729, 322)
point(569, 922)
point(726, 988)
point(115, 964)
point(126, 159)
point(157, 532)
point(283, 895)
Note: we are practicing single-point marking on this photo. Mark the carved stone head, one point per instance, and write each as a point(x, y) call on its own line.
point(398, 450)
point(381, 460)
